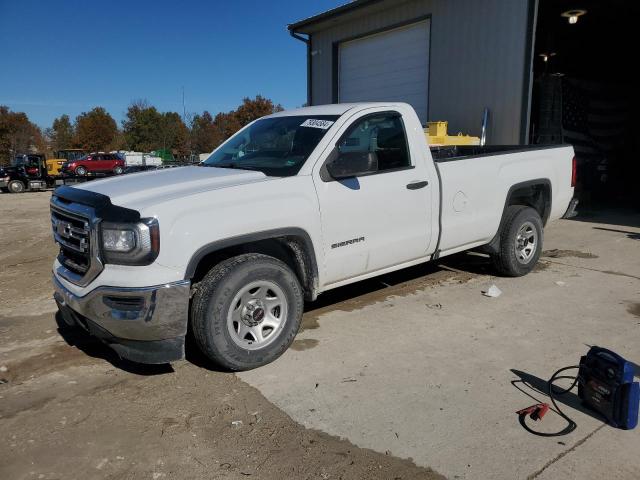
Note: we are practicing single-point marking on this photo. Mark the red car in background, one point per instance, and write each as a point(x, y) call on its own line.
point(95, 163)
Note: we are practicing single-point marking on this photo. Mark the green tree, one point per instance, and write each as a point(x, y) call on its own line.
point(17, 134)
point(173, 134)
point(208, 135)
point(146, 129)
point(141, 127)
point(61, 133)
point(252, 109)
point(118, 142)
point(95, 130)
point(203, 133)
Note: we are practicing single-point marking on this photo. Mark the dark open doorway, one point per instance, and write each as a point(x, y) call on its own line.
point(586, 92)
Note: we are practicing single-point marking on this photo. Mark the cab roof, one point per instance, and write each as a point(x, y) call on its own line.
point(332, 109)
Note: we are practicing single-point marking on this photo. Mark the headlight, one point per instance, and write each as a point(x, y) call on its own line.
point(130, 243)
point(117, 240)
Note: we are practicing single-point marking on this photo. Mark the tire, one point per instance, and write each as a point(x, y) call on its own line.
point(240, 298)
point(521, 236)
point(81, 171)
point(16, 186)
point(118, 170)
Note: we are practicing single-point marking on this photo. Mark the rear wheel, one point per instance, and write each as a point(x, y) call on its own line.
point(118, 170)
point(246, 311)
point(81, 171)
point(520, 241)
point(16, 186)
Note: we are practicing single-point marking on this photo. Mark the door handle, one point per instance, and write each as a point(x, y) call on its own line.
point(417, 185)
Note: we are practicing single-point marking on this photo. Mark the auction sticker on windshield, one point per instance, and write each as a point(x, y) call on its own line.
point(314, 123)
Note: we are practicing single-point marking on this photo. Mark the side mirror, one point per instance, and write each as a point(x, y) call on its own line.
point(353, 164)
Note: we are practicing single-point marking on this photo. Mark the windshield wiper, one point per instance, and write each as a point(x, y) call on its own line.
point(233, 166)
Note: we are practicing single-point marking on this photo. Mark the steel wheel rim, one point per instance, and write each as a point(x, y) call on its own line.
point(257, 315)
point(526, 243)
point(16, 187)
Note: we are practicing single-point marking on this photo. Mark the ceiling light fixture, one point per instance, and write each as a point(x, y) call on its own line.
point(573, 15)
point(547, 56)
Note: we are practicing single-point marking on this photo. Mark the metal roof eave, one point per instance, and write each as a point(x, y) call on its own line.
point(329, 14)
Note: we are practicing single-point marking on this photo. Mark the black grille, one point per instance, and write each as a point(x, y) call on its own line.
point(73, 234)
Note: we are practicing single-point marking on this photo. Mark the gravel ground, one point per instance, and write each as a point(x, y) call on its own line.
point(69, 408)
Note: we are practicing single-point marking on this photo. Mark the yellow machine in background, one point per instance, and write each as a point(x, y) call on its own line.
point(437, 136)
point(60, 158)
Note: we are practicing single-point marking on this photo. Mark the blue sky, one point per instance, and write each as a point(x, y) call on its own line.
point(67, 56)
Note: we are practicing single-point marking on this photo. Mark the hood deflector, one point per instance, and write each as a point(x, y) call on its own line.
point(100, 203)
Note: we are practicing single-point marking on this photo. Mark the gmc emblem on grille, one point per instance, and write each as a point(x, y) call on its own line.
point(63, 229)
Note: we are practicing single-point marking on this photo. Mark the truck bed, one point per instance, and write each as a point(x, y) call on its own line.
point(461, 152)
point(475, 182)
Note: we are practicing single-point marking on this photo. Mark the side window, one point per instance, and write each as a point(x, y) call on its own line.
point(381, 134)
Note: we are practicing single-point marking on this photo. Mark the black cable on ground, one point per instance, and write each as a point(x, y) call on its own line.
point(551, 391)
point(571, 425)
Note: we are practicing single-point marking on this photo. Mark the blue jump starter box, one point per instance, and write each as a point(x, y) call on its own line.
point(605, 384)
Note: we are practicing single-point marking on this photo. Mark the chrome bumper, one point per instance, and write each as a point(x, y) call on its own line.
point(4, 184)
point(136, 318)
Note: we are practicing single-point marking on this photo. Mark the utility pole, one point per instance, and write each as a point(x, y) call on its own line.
point(184, 110)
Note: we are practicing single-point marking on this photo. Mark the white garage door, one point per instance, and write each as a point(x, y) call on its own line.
point(388, 66)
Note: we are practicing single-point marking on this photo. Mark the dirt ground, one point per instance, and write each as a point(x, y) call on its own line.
point(417, 365)
point(69, 408)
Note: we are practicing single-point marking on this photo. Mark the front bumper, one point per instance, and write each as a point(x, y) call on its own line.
point(146, 325)
point(3, 183)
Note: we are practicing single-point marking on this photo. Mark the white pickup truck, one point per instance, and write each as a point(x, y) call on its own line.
point(293, 205)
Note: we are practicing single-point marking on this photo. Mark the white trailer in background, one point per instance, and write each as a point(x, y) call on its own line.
point(139, 158)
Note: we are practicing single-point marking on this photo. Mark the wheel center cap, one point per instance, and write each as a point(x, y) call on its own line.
point(253, 313)
point(258, 315)
point(522, 242)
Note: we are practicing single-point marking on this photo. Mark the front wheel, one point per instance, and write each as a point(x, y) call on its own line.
point(81, 171)
point(16, 186)
point(246, 311)
point(520, 241)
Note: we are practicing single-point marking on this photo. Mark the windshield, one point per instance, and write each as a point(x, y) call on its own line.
point(276, 146)
point(25, 161)
point(71, 155)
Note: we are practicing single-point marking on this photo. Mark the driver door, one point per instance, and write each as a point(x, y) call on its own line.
point(101, 163)
point(373, 222)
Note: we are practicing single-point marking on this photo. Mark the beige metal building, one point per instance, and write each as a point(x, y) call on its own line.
point(450, 59)
point(548, 71)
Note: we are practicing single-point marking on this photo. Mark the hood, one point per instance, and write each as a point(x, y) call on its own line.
point(148, 188)
point(4, 170)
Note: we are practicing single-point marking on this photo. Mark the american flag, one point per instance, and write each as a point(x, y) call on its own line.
point(595, 119)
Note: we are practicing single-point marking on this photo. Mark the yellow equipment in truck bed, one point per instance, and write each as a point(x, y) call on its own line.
point(437, 136)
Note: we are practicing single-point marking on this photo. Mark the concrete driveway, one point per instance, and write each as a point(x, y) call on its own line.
point(413, 364)
point(433, 370)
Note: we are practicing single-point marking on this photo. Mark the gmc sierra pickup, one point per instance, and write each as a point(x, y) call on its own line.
point(293, 205)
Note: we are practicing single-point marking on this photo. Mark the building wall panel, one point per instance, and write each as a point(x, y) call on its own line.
point(478, 55)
